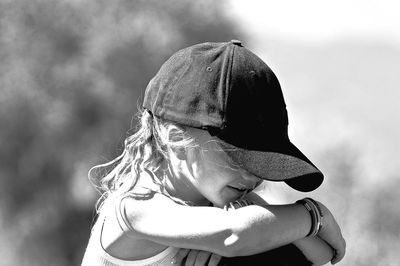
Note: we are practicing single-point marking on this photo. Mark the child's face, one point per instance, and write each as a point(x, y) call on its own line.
point(215, 176)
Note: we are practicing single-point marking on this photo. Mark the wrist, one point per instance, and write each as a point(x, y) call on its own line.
point(306, 218)
point(315, 213)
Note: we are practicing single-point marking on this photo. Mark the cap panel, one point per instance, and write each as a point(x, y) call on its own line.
point(190, 87)
point(256, 116)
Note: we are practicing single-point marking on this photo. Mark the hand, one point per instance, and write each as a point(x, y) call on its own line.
point(192, 257)
point(330, 232)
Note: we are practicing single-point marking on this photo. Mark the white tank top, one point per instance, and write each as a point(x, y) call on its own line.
point(96, 255)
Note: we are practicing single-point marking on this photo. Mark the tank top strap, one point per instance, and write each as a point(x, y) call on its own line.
point(121, 216)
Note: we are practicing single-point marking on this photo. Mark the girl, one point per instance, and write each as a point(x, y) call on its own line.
point(214, 125)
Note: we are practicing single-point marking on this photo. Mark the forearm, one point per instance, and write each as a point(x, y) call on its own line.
point(270, 226)
point(315, 249)
point(245, 231)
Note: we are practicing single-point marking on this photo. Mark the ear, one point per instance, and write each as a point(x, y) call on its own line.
point(181, 153)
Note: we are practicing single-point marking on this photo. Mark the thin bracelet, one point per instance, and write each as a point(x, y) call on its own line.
point(317, 205)
point(317, 212)
point(314, 214)
point(320, 213)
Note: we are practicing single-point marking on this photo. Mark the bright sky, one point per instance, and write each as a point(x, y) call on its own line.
point(316, 20)
point(363, 121)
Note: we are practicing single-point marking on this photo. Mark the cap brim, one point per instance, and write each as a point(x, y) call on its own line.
point(289, 165)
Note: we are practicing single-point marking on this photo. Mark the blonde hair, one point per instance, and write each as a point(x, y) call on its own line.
point(145, 150)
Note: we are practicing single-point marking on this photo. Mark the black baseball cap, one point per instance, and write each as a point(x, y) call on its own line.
point(226, 89)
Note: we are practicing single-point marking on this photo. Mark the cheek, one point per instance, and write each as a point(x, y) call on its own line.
point(213, 174)
point(224, 196)
point(213, 187)
point(218, 175)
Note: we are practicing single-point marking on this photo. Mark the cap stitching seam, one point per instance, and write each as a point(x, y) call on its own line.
point(228, 84)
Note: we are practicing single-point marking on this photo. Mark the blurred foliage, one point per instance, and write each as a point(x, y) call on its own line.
point(71, 76)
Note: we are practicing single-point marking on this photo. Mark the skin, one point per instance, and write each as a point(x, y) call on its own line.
point(213, 174)
point(203, 176)
point(216, 177)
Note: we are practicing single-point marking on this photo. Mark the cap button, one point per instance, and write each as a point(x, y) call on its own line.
point(237, 42)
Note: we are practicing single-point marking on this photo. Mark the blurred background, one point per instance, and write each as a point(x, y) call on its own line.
point(73, 72)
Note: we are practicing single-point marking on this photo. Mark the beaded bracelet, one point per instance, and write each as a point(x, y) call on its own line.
point(315, 213)
point(237, 204)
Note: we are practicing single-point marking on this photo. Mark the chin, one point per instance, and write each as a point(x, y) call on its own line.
point(220, 203)
point(223, 198)
point(217, 204)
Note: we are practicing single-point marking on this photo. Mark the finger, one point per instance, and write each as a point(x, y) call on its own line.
point(191, 257)
point(202, 258)
point(339, 253)
point(180, 255)
point(214, 259)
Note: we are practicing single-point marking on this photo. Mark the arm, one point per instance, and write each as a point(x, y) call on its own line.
point(246, 231)
point(315, 249)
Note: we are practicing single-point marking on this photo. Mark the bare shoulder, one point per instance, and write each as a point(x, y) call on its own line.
point(143, 201)
point(144, 210)
point(118, 237)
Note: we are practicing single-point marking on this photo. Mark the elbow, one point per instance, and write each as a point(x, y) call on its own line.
point(234, 246)
point(237, 245)
point(230, 255)
point(230, 246)
point(236, 251)
point(230, 252)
